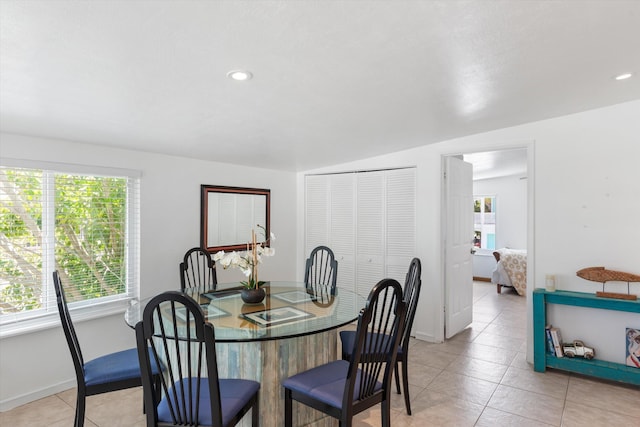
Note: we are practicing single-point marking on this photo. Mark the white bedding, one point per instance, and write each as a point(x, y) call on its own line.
point(500, 276)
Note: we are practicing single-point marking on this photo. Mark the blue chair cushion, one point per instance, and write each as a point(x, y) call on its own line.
point(234, 395)
point(119, 366)
point(348, 339)
point(325, 383)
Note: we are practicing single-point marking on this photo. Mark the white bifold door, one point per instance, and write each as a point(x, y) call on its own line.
point(368, 219)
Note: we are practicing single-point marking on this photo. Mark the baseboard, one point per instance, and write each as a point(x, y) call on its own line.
point(481, 279)
point(426, 337)
point(14, 402)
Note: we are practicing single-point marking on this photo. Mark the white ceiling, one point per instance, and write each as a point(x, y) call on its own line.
point(495, 164)
point(334, 81)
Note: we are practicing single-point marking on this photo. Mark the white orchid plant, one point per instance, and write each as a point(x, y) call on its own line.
point(247, 261)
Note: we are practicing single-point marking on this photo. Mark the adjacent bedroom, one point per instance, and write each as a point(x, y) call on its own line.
point(500, 219)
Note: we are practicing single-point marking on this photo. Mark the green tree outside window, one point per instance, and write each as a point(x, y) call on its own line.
point(86, 238)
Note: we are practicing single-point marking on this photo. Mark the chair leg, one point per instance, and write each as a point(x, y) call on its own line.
point(386, 413)
point(405, 384)
point(255, 413)
point(80, 406)
point(288, 422)
point(397, 375)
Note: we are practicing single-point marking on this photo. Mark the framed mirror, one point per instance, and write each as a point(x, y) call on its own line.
point(228, 214)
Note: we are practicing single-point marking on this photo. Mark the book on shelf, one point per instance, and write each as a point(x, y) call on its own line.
point(557, 341)
point(551, 350)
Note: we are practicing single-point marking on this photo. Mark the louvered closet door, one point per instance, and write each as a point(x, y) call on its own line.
point(316, 212)
point(370, 231)
point(343, 227)
point(401, 222)
point(368, 219)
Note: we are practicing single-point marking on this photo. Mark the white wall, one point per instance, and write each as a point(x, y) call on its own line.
point(584, 181)
point(484, 263)
point(511, 215)
point(38, 364)
point(511, 218)
point(585, 185)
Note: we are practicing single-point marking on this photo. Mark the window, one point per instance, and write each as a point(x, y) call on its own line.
point(85, 225)
point(484, 219)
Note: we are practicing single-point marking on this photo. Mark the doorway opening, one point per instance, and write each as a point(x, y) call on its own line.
point(501, 190)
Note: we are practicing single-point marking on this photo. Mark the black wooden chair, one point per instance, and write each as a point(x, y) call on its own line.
point(173, 327)
point(112, 372)
point(322, 295)
point(198, 270)
point(412, 286)
point(343, 388)
point(321, 269)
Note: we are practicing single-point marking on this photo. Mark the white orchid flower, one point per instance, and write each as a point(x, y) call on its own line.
point(269, 252)
point(243, 263)
point(246, 261)
point(226, 261)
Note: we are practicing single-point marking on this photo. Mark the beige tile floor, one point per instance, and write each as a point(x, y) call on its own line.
point(478, 378)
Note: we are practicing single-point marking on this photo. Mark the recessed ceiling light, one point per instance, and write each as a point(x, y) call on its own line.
point(240, 75)
point(623, 76)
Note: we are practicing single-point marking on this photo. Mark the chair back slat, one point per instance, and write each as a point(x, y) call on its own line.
point(412, 286)
point(321, 268)
point(173, 326)
point(198, 270)
point(323, 295)
point(377, 338)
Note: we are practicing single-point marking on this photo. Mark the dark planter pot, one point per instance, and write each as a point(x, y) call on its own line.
point(252, 296)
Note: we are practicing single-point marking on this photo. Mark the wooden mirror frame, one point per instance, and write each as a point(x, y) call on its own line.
point(205, 191)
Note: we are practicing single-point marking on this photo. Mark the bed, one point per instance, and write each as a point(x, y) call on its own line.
point(511, 270)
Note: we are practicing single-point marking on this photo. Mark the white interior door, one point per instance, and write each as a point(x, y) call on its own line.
point(458, 245)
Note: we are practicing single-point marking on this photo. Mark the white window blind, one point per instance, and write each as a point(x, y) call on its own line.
point(83, 224)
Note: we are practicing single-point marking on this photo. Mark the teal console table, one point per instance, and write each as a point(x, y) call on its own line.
point(594, 367)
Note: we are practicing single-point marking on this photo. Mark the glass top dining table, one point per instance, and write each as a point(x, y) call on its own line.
point(289, 310)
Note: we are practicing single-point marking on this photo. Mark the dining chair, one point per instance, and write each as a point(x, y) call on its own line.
point(341, 388)
point(412, 286)
point(173, 327)
point(322, 295)
point(198, 270)
point(321, 268)
point(111, 372)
